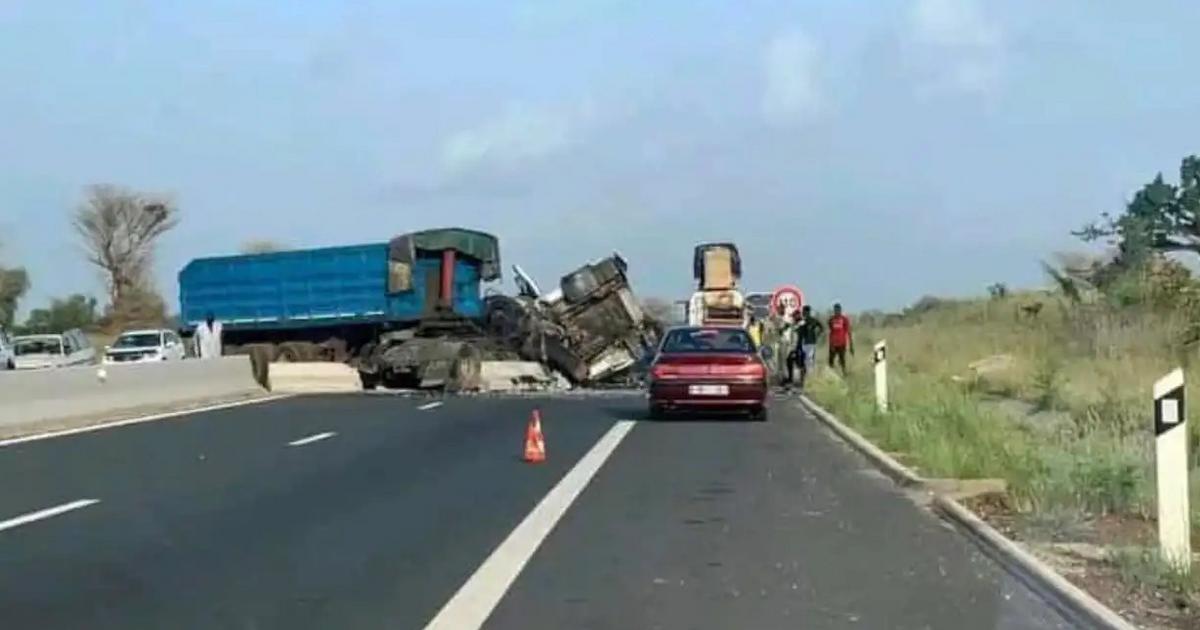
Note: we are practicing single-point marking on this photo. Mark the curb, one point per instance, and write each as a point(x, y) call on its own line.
point(1075, 604)
point(899, 473)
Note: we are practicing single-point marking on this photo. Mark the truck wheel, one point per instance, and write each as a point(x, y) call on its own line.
point(288, 353)
point(369, 381)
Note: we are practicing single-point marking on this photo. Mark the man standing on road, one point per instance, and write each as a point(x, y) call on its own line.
point(840, 338)
point(808, 331)
point(208, 338)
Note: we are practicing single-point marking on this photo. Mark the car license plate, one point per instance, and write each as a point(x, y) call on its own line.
point(708, 390)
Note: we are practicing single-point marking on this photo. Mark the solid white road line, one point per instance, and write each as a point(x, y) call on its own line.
point(138, 420)
point(46, 513)
point(472, 604)
point(312, 438)
point(428, 406)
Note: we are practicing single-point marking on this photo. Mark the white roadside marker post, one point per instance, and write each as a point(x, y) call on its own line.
point(1170, 445)
point(881, 393)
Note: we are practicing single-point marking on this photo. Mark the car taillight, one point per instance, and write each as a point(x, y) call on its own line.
point(662, 370)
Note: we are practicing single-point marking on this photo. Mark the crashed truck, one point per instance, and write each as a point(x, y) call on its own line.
point(410, 313)
point(590, 327)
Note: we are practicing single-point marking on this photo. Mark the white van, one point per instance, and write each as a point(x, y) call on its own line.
point(50, 351)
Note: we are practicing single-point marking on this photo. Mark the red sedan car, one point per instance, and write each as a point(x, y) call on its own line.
point(708, 368)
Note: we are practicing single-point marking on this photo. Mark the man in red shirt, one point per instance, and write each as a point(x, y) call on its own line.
point(840, 338)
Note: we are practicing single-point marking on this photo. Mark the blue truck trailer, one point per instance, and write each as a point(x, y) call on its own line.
point(355, 303)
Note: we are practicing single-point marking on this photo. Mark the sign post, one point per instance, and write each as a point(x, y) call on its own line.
point(881, 393)
point(1170, 446)
point(787, 299)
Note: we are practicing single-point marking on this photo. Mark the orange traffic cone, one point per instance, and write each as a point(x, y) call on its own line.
point(535, 444)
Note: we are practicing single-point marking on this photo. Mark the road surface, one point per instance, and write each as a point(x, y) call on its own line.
point(388, 512)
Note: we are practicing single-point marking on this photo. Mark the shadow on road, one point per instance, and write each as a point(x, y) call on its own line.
point(640, 413)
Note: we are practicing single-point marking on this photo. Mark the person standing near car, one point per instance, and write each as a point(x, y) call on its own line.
point(808, 331)
point(208, 338)
point(840, 338)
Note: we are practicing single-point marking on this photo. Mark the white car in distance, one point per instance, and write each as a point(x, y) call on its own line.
point(142, 346)
point(34, 352)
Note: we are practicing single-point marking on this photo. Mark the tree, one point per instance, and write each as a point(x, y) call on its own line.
point(1161, 218)
point(76, 311)
point(140, 306)
point(261, 246)
point(119, 229)
point(14, 282)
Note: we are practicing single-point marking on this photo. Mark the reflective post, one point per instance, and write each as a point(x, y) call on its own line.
point(881, 393)
point(1170, 446)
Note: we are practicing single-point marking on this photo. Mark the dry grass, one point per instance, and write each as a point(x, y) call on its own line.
point(1081, 436)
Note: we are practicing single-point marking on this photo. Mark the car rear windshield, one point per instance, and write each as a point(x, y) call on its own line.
point(37, 346)
point(708, 340)
point(139, 340)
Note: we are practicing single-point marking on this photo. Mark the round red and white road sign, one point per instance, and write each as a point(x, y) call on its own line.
point(789, 298)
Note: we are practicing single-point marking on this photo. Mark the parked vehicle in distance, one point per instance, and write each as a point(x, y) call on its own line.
point(708, 368)
point(140, 346)
point(759, 305)
point(7, 358)
point(34, 352)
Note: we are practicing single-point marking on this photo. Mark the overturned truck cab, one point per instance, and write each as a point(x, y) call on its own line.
point(591, 328)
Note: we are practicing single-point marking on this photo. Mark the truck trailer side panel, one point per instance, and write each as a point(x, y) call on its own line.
point(333, 286)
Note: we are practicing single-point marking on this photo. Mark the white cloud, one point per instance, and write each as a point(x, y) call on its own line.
point(955, 43)
point(793, 88)
point(518, 135)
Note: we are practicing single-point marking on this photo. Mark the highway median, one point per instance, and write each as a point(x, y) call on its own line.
point(41, 401)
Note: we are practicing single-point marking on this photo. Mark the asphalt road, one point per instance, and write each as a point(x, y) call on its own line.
point(371, 512)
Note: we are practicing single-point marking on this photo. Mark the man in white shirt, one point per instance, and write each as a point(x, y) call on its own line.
point(208, 338)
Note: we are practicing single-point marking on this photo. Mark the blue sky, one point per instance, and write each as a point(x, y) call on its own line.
point(870, 152)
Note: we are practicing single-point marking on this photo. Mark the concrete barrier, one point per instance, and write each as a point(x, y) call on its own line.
point(313, 378)
point(62, 397)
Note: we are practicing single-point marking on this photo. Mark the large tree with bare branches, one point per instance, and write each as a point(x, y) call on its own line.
point(119, 229)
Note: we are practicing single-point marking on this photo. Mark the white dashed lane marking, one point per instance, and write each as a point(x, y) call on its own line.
point(46, 513)
point(312, 438)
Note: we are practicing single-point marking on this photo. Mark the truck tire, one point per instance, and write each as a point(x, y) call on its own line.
point(369, 381)
point(295, 352)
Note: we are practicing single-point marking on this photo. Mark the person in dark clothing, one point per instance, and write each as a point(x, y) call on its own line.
point(808, 331)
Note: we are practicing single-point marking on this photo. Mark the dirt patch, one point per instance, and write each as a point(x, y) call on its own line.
point(1094, 553)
